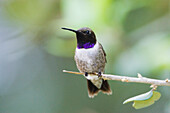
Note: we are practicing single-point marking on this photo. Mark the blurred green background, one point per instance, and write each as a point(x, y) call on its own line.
point(34, 51)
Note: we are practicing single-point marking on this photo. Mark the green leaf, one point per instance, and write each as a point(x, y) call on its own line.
point(144, 100)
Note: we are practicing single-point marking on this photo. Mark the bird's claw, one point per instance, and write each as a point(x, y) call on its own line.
point(86, 74)
point(99, 75)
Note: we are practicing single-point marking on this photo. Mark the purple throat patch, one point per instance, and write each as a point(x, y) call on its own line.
point(86, 45)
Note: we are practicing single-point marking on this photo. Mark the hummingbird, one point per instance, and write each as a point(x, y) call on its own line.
point(90, 57)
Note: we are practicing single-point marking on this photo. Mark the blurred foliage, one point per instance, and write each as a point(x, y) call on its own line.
point(34, 51)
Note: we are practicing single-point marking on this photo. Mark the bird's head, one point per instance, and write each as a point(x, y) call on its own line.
point(85, 37)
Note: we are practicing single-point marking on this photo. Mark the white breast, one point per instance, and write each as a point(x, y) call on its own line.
point(89, 56)
point(84, 54)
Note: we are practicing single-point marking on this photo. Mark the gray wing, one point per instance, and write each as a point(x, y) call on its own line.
point(103, 52)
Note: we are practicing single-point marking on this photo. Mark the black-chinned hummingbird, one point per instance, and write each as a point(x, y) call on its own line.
point(90, 57)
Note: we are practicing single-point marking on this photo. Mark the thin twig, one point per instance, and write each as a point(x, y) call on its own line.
point(140, 79)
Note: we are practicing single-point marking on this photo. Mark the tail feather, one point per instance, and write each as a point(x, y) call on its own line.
point(93, 90)
point(105, 88)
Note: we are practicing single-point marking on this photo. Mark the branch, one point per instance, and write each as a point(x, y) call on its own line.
point(140, 79)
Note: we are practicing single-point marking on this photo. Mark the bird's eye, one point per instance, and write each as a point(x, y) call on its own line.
point(87, 32)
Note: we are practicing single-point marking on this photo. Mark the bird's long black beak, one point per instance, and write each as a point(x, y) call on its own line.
point(78, 33)
point(70, 29)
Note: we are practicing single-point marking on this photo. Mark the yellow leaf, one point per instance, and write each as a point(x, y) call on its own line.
point(145, 103)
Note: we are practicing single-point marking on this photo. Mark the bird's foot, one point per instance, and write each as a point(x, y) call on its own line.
point(86, 74)
point(99, 74)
